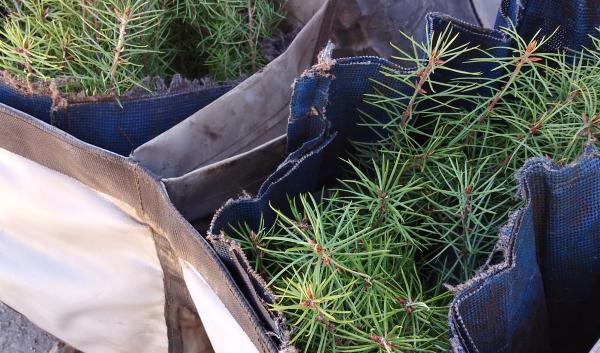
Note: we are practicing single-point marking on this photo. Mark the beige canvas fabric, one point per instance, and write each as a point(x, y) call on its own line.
point(367, 27)
point(194, 193)
point(75, 261)
point(77, 265)
point(84, 265)
point(301, 11)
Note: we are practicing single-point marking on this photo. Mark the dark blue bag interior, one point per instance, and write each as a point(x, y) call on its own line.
point(105, 123)
point(543, 296)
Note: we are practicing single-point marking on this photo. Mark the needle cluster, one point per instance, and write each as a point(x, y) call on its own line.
point(110, 46)
point(366, 267)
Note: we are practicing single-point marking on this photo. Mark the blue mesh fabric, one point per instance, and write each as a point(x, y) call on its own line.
point(543, 297)
point(573, 20)
point(110, 126)
point(324, 120)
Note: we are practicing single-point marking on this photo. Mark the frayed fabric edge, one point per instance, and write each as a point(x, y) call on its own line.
point(152, 87)
point(506, 241)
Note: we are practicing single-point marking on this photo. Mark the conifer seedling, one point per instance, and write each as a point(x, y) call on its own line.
point(101, 47)
point(370, 266)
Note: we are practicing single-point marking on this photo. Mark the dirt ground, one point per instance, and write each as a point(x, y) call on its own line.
point(18, 335)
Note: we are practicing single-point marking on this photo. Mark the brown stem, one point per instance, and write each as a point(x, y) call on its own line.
point(589, 124)
point(423, 76)
point(83, 12)
point(124, 19)
point(64, 49)
point(24, 52)
point(384, 343)
point(382, 200)
point(524, 59)
point(250, 39)
point(570, 97)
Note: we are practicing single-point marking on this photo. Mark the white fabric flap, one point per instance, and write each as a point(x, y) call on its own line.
point(76, 265)
point(225, 334)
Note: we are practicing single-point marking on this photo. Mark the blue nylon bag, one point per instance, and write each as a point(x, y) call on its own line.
point(543, 296)
point(114, 127)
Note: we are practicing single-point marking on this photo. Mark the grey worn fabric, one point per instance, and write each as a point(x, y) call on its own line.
point(237, 140)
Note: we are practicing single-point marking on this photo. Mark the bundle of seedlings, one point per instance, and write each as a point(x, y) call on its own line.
point(370, 266)
point(107, 47)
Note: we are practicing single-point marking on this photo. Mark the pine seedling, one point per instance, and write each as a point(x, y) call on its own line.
point(94, 46)
point(109, 47)
point(388, 197)
point(345, 243)
point(378, 252)
point(230, 33)
point(469, 156)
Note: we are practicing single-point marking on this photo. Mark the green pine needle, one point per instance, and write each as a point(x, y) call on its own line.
point(364, 269)
point(110, 46)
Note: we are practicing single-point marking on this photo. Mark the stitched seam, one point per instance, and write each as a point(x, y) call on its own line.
point(68, 136)
point(229, 287)
point(463, 25)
